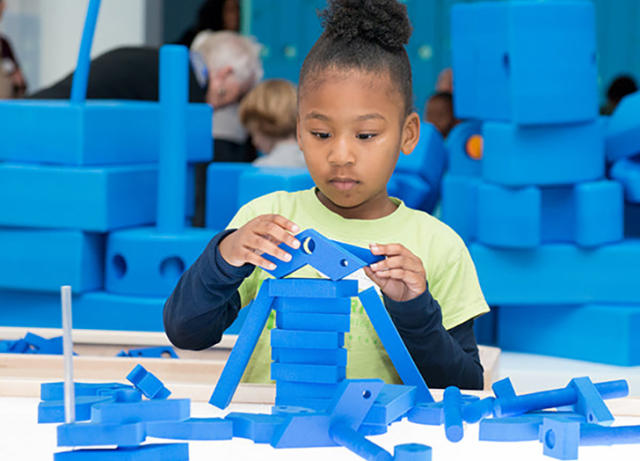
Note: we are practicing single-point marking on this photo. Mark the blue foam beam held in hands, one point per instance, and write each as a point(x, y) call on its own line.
point(81, 74)
point(172, 168)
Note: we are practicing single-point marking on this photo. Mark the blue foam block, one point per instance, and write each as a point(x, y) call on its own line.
point(55, 391)
point(428, 159)
point(306, 404)
point(393, 344)
point(257, 427)
point(255, 182)
point(145, 262)
point(503, 389)
point(148, 383)
point(360, 252)
point(95, 133)
point(599, 213)
point(520, 428)
point(93, 311)
point(590, 403)
point(373, 429)
point(460, 205)
point(333, 307)
point(306, 339)
point(90, 199)
point(146, 410)
point(43, 260)
point(221, 203)
point(157, 352)
point(124, 395)
point(52, 411)
point(40, 345)
point(568, 331)
point(414, 191)
point(305, 373)
point(306, 390)
point(461, 162)
point(241, 352)
point(91, 434)
point(191, 429)
point(627, 172)
point(432, 413)
point(310, 356)
point(569, 275)
point(542, 155)
point(560, 439)
point(475, 411)
point(349, 438)
point(507, 217)
point(452, 409)
point(412, 452)
point(312, 321)
point(314, 288)
point(623, 129)
point(151, 452)
point(393, 402)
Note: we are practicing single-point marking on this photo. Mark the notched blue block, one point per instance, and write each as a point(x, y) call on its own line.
point(337, 357)
point(393, 402)
point(313, 288)
point(191, 429)
point(148, 383)
point(91, 434)
point(151, 452)
point(43, 260)
point(312, 321)
point(257, 427)
point(90, 199)
point(146, 410)
point(307, 373)
point(52, 411)
point(306, 339)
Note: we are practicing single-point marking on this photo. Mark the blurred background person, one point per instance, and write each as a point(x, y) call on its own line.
point(12, 81)
point(214, 15)
point(620, 87)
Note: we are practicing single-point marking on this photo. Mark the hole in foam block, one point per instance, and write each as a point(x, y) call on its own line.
point(172, 268)
point(119, 265)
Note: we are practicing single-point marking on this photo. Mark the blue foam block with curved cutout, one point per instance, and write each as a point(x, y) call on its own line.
point(307, 373)
point(43, 260)
point(148, 383)
point(145, 262)
point(52, 411)
point(623, 129)
point(313, 321)
point(191, 429)
point(92, 434)
point(150, 452)
point(146, 410)
point(314, 288)
point(257, 427)
point(90, 199)
point(306, 339)
point(460, 162)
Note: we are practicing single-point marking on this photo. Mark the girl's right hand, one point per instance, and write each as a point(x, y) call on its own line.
point(261, 235)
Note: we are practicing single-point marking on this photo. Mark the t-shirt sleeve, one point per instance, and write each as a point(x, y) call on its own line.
point(456, 287)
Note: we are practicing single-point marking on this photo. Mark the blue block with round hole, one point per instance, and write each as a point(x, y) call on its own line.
point(145, 262)
point(85, 198)
point(560, 439)
point(623, 129)
point(44, 260)
point(460, 205)
point(461, 159)
point(520, 428)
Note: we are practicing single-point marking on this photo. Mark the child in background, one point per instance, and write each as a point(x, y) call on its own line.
point(355, 117)
point(268, 112)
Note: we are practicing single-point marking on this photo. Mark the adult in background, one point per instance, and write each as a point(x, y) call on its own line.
point(12, 81)
point(213, 15)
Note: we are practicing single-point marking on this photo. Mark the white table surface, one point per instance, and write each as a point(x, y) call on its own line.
point(21, 438)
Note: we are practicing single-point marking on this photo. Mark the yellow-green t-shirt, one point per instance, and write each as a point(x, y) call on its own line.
point(451, 275)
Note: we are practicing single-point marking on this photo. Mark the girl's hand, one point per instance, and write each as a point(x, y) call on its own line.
point(261, 235)
point(401, 275)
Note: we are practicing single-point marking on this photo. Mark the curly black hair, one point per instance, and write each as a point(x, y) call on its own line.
point(367, 35)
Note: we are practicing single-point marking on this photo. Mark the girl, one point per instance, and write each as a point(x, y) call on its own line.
point(355, 117)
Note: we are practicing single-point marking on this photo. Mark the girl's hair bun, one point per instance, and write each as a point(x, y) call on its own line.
point(383, 22)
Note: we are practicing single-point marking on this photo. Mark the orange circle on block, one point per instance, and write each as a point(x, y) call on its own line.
point(474, 147)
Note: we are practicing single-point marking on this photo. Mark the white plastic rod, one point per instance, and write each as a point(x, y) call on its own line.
point(67, 348)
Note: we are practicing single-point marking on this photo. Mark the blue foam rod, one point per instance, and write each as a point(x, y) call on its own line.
point(81, 74)
point(452, 406)
point(343, 435)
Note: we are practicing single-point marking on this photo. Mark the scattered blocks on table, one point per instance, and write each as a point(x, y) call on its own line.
point(306, 339)
point(520, 428)
point(393, 402)
point(40, 345)
point(257, 427)
point(146, 410)
point(91, 434)
point(145, 262)
point(336, 357)
point(312, 321)
point(590, 402)
point(623, 129)
point(52, 411)
point(43, 260)
point(305, 373)
point(148, 383)
point(157, 352)
point(412, 452)
point(313, 288)
point(320, 306)
point(191, 429)
point(55, 390)
point(151, 452)
point(90, 199)
point(560, 439)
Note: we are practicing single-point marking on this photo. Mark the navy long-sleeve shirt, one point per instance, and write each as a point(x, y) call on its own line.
point(206, 301)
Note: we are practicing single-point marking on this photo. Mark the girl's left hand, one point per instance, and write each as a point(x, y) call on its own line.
point(401, 275)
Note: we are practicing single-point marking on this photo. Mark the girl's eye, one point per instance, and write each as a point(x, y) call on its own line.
point(320, 134)
point(366, 136)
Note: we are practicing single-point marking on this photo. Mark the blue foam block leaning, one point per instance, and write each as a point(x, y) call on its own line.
point(590, 403)
point(95, 132)
point(91, 199)
point(312, 321)
point(623, 129)
point(146, 410)
point(569, 275)
point(145, 262)
point(191, 429)
point(314, 288)
point(627, 172)
point(255, 182)
point(306, 339)
point(334, 307)
point(337, 357)
point(151, 452)
point(257, 427)
point(52, 411)
point(148, 383)
point(305, 373)
point(542, 155)
point(91, 434)
point(43, 260)
point(460, 205)
point(393, 402)
point(560, 439)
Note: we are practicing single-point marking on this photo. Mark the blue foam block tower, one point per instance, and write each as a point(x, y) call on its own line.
point(623, 129)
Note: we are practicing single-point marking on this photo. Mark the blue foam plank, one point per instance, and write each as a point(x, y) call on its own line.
point(92, 311)
point(542, 155)
point(146, 262)
point(91, 434)
point(40, 345)
point(519, 428)
point(623, 129)
point(569, 275)
point(221, 202)
point(147, 383)
point(306, 390)
point(319, 252)
point(412, 452)
point(123, 395)
point(568, 331)
point(627, 173)
point(509, 217)
point(257, 427)
point(462, 161)
point(241, 352)
point(258, 181)
point(157, 352)
point(43, 260)
point(503, 389)
point(308, 404)
point(306, 339)
point(373, 429)
point(560, 439)
point(191, 429)
point(55, 391)
point(312, 321)
point(146, 410)
point(430, 414)
point(52, 411)
point(393, 402)
point(287, 410)
point(349, 438)
point(363, 253)
point(335, 306)
point(314, 288)
point(151, 452)
point(460, 205)
point(304, 373)
point(95, 133)
point(393, 344)
point(590, 402)
point(310, 356)
point(90, 199)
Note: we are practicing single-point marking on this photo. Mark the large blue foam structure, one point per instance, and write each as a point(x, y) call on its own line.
point(43, 260)
point(460, 205)
point(462, 161)
point(258, 181)
point(627, 172)
point(623, 129)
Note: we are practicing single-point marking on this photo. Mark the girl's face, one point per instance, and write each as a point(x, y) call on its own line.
point(351, 129)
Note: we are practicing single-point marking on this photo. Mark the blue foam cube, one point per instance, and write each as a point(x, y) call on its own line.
point(258, 181)
point(221, 203)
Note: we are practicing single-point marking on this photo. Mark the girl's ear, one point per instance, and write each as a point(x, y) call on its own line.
point(410, 133)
